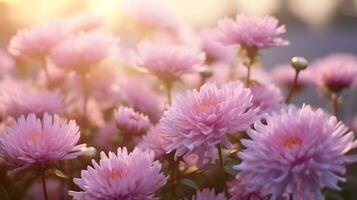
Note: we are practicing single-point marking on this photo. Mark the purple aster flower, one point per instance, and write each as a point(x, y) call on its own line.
point(131, 122)
point(19, 98)
point(37, 41)
point(284, 75)
point(305, 149)
point(124, 176)
point(214, 50)
point(31, 141)
point(239, 189)
point(84, 51)
point(168, 62)
point(251, 32)
point(151, 105)
point(267, 97)
point(207, 194)
point(199, 120)
point(336, 71)
point(153, 141)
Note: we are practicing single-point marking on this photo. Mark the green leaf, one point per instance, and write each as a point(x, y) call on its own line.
point(190, 183)
point(57, 173)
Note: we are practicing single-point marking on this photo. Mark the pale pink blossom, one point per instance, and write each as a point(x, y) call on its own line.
point(130, 122)
point(251, 32)
point(167, 61)
point(152, 140)
point(336, 71)
point(37, 41)
point(18, 98)
point(84, 51)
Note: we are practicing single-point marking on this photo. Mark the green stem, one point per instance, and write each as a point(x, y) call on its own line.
point(293, 87)
point(44, 187)
point(85, 101)
point(221, 161)
point(334, 102)
point(168, 87)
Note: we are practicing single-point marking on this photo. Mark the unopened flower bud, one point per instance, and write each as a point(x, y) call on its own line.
point(299, 63)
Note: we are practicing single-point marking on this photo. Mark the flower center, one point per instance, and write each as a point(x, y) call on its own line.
point(203, 106)
point(290, 142)
point(35, 136)
point(115, 174)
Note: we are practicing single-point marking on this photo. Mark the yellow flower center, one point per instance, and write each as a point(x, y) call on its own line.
point(115, 174)
point(290, 142)
point(203, 106)
point(35, 136)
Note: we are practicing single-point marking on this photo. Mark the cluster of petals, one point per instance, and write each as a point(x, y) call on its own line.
point(267, 97)
point(238, 189)
point(207, 194)
point(31, 140)
point(251, 32)
point(125, 176)
point(305, 149)
point(84, 51)
point(130, 122)
point(152, 141)
point(336, 71)
point(199, 120)
point(151, 105)
point(168, 61)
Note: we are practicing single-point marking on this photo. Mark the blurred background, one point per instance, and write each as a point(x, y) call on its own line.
point(315, 28)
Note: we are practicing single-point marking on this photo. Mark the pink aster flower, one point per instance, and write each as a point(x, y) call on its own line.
point(305, 149)
point(6, 63)
point(21, 99)
point(354, 124)
point(84, 51)
point(168, 62)
point(151, 105)
point(214, 50)
point(37, 41)
point(84, 22)
point(151, 13)
point(336, 71)
point(284, 75)
point(199, 120)
point(31, 141)
point(153, 141)
point(267, 97)
point(207, 194)
point(251, 32)
point(131, 122)
point(124, 176)
point(55, 190)
point(107, 137)
point(240, 190)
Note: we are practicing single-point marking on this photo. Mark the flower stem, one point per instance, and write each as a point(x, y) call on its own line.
point(85, 101)
point(221, 161)
point(293, 87)
point(168, 87)
point(174, 166)
point(48, 77)
point(334, 102)
point(44, 187)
